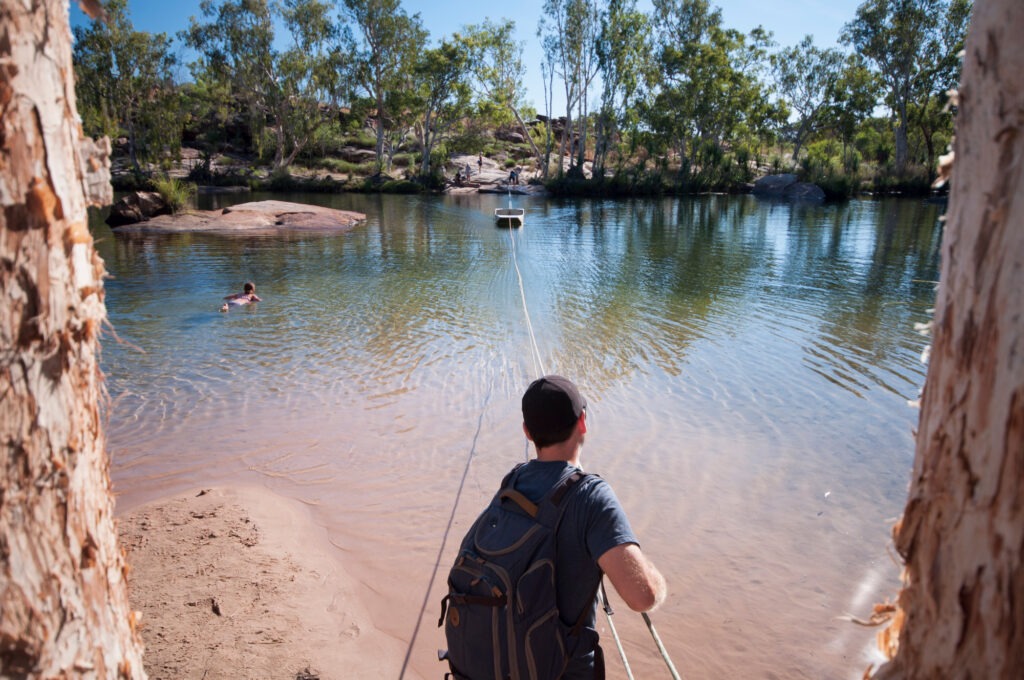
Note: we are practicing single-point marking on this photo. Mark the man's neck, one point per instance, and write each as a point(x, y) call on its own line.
point(564, 453)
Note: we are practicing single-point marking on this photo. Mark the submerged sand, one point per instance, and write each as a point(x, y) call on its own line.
point(240, 583)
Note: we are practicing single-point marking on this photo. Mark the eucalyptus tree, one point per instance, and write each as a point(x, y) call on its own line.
point(235, 61)
point(442, 86)
point(854, 95)
point(284, 91)
point(63, 576)
point(805, 77)
point(623, 52)
point(384, 52)
point(310, 76)
point(125, 85)
point(708, 87)
point(496, 59)
point(569, 31)
point(913, 45)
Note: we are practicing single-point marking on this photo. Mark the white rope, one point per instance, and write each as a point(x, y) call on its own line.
point(538, 363)
point(602, 599)
point(661, 647)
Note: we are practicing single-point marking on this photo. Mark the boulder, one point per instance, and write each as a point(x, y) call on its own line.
point(137, 206)
point(773, 185)
point(787, 187)
point(351, 154)
point(259, 217)
point(805, 191)
point(510, 136)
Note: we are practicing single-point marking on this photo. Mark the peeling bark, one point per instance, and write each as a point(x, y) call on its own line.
point(962, 533)
point(63, 602)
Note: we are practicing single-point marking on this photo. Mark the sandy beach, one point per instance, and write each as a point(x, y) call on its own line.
point(239, 583)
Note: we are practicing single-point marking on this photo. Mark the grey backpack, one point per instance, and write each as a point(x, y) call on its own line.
point(501, 615)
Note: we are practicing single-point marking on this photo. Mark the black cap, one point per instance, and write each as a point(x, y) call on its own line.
point(551, 406)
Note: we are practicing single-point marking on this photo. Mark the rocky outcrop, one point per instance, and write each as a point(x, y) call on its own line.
point(351, 154)
point(259, 217)
point(136, 207)
point(786, 187)
point(510, 136)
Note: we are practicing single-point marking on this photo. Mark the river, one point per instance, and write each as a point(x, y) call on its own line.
point(748, 367)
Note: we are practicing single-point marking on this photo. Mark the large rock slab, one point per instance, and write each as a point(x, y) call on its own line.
point(248, 218)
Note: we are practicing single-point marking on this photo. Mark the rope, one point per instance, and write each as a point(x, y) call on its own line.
point(602, 598)
point(447, 531)
point(601, 595)
point(538, 363)
point(661, 647)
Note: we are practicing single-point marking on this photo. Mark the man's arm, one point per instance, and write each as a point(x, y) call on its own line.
point(634, 577)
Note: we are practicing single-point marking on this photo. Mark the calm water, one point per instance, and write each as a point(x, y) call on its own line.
point(748, 367)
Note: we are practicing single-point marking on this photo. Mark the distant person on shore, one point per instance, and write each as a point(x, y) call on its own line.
point(469, 171)
point(480, 164)
point(247, 295)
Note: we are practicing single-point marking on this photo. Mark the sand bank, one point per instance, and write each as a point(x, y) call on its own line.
point(240, 583)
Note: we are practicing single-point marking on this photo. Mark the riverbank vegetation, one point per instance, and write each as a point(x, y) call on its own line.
point(356, 95)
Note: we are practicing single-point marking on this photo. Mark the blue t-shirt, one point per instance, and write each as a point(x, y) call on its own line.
point(593, 523)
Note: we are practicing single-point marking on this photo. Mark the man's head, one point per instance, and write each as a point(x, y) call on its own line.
point(551, 408)
point(249, 287)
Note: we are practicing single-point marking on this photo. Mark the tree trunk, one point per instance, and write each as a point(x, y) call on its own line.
point(962, 533)
point(63, 600)
point(380, 128)
point(900, 131)
point(526, 133)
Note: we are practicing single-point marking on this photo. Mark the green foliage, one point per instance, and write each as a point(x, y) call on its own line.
point(914, 47)
point(873, 142)
point(176, 194)
point(707, 88)
point(279, 92)
point(402, 186)
point(124, 86)
point(832, 168)
point(805, 77)
point(687, 104)
point(339, 166)
point(384, 52)
point(915, 181)
point(442, 96)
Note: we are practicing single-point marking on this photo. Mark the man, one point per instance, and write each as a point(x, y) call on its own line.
point(595, 535)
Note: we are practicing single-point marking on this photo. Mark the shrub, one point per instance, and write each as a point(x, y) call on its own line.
point(176, 194)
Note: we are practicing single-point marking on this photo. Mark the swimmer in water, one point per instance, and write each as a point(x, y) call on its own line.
point(247, 295)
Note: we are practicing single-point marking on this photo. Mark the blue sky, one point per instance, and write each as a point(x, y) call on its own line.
point(789, 20)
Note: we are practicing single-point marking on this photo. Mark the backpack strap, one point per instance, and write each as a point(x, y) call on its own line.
point(519, 499)
point(498, 600)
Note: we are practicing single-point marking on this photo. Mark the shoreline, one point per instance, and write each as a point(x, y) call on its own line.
point(239, 582)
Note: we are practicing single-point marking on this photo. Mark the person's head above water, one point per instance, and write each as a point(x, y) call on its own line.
point(552, 406)
point(249, 287)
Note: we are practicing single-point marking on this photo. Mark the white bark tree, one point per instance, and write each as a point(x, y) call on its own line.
point(962, 533)
point(63, 600)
